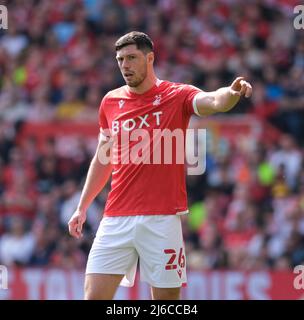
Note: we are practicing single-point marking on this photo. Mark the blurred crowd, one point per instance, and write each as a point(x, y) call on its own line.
point(57, 60)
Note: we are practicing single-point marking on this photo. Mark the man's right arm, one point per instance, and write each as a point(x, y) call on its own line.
point(97, 177)
point(223, 99)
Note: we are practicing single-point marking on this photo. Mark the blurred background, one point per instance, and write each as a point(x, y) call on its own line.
point(245, 233)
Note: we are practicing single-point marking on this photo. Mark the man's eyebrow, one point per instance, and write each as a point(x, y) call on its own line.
point(126, 55)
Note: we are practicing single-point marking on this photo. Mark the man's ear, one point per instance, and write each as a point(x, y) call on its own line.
point(150, 57)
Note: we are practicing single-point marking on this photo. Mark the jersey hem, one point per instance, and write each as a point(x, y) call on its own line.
point(145, 213)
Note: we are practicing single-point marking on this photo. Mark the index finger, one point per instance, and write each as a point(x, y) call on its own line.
point(237, 80)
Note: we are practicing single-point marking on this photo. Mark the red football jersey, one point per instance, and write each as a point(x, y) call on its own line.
point(147, 188)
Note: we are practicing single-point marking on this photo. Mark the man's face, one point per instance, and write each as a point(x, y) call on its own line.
point(132, 64)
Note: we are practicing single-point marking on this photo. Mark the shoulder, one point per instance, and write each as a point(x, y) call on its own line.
point(171, 87)
point(116, 93)
point(111, 96)
point(183, 90)
point(179, 86)
point(187, 87)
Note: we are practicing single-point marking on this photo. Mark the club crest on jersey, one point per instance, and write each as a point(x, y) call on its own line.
point(121, 103)
point(157, 100)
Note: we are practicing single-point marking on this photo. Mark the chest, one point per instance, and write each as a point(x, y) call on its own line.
point(154, 112)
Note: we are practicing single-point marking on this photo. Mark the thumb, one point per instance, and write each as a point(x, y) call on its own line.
point(236, 83)
point(235, 93)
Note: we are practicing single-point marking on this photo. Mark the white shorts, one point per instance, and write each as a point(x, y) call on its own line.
point(156, 240)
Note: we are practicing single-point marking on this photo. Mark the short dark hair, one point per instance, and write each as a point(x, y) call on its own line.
point(140, 39)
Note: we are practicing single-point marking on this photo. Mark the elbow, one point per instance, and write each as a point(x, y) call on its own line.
point(100, 161)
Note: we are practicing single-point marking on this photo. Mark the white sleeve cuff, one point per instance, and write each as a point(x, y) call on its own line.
point(195, 106)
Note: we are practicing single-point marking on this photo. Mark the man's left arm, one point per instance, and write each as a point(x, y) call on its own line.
point(223, 99)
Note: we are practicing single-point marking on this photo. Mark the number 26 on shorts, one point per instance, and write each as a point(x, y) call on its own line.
point(171, 264)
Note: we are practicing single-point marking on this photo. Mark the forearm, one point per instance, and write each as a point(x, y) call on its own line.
point(223, 99)
point(97, 177)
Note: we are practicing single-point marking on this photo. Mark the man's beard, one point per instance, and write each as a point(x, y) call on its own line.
point(136, 82)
